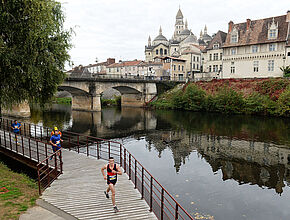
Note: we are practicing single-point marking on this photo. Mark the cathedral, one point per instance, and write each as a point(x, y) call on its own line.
point(182, 40)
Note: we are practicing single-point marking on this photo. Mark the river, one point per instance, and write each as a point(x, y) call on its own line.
point(217, 166)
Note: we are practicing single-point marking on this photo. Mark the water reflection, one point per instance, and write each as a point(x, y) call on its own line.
point(207, 151)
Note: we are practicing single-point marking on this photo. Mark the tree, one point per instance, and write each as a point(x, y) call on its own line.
point(286, 71)
point(33, 50)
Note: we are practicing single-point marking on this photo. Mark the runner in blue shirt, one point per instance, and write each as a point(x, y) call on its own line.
point(16, 129)
point(55, 141)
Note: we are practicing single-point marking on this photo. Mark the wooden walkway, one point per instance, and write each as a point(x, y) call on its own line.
point(79, 191)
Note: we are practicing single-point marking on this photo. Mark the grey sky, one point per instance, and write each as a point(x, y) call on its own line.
point(120, 28)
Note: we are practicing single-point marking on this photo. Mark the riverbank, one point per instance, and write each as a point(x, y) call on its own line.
point(230, 96)
point(20, 195)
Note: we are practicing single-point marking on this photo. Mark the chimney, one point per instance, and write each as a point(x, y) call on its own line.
point(231, 23)
point(248, 24)
point(110, 61)
point(288, 16)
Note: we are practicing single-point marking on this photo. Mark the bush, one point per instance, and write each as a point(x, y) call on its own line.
point(178, 101)
point(194, 98)
point(284, 103)
point(256, 104)
point(228, 100)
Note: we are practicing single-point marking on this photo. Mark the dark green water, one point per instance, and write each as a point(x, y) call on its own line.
point(228, 167)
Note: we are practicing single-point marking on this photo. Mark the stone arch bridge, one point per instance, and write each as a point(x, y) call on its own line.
point(86, 92)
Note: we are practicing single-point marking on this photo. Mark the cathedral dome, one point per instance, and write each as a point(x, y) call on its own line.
point(206, 37)
point(160, 39)
point(185, 32)
point(191, 39)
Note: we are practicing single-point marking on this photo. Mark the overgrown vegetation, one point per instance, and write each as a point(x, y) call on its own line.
point(63, 100)
point(286, 71)
point(266, 97)
point(116, 101)
point(22, 193)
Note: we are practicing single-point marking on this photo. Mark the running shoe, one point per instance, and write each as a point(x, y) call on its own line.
point(116, 209)
point(107, 195)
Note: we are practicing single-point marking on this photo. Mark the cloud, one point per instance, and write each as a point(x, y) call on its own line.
point(120, 28)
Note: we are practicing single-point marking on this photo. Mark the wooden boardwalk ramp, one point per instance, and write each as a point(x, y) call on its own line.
point(79, 191)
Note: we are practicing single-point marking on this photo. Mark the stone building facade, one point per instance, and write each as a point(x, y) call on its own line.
point(257, 48)
point(100, 68)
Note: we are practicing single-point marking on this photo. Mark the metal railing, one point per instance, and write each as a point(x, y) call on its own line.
point(28, 145)
point(48, 170)
point(160, 201)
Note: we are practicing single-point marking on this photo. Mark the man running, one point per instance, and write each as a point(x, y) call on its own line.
point(112, 171)
point(55, 142)
point(16, 129)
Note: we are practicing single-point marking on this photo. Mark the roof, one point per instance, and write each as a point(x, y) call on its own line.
point(170, 57)
point(125, 63)
point(258, 32)
point(179, 14)
point(160, 37)
point(219, 38)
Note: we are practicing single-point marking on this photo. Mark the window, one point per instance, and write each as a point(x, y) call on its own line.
point(178, 67)
point(271, 65)
point(273, 34)
point(209, 69)
point(221, 56)
point(233, 69)
point(272, 47)
point(216, 46)
point(210, 57)
point(197, 66)
point(215, 56)
point(156, 52)
point(182, 68)
point(149, 53)
point(165, 52)
point(197, 59)
point(193, 66)
point(174, 67)
point(221, 67)
point(234, 51)
point(215, 68)
point(174, 49)
point(194, 58)
point(161, 51)
point(234, 37)
point(109, 70)
point(117, 69)
point(256, 66)
point(254, 49)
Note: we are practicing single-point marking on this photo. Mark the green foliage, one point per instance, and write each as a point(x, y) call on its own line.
point(33, 50)
point(272, 87)
point(194, 98)
point(116, 101)
point(228, 100)
point(255, 104)
point(286, 71)
point(284, 103)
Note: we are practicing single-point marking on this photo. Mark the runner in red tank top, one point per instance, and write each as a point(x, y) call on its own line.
point(112, 171)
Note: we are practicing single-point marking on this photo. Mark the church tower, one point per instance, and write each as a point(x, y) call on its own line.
point(179, 24)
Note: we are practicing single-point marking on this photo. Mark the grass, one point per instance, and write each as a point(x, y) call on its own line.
point(64, 100)
point(22, 193)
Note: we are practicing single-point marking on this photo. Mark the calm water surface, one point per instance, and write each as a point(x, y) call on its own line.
point(217, 166)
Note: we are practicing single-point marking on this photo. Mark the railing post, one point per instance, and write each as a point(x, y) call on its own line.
point(162, 203)
point(35, 131)
point(78, 144)
point(151, 193)
point(29, 146)
point(109, 149)
point(40, 133)
point(29, 127)
point(46, 154)
point(125, 162)
point(98, 150)
point(5, 139)
point(129, 166)
point(120, 154)
point(135, 173)
point(87, 146)
point(176, 211)
point(47, 134)
point(60, 161)
point(16, 143)
point(24, 129)
point(69, 142)
point(22, 144)
point(37, 151)
point(39, 186)
point(10, 140)
point(142, 187)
